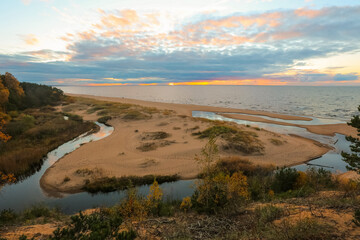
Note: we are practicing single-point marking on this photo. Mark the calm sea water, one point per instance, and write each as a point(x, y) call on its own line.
point(327, 102)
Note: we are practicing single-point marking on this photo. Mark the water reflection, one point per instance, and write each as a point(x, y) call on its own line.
point(331, 161)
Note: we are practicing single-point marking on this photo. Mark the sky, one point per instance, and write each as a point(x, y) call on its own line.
point(187, 42)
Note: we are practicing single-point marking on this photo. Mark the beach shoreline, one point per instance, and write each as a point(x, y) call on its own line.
point(118, 154)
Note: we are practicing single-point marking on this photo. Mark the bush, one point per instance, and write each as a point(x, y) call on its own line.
point(304, 229)
point(7, 216)
point(319, 179)
point(285, 179)
point(268, 214)
point(234, 138)
point(356, 219)
point(235, 164)
point(38, 211)
point(121, 183)
point(95, 226)
point(104, 119)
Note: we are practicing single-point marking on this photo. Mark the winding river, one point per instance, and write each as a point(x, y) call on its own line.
point(28, 192)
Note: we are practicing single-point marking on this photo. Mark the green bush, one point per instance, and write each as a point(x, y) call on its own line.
point(285, 179)
point(320, 179)
point(7, 216)
point(268, 214)
point(104, 119)
point(356, 219)
point(95, 226)
point(113, 184)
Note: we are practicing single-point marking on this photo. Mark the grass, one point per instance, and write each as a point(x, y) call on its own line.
point(45, 130)
point(148, 146)
point(114, 184)
point(35, 214)
point(112, 109)
point(234, 139)
point(104, 119)
point(276, 142)
point(235, 164)
point(135, 115)
point(154, 135)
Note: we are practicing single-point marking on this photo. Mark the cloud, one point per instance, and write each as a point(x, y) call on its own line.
point(30, 39)
point(130, 47)
point(346, 77)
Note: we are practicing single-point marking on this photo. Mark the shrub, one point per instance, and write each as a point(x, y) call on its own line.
point(285, 179)
point(319, 179)
point(99, 225)
point(304, 229)
point(135, 115)
point(186, 204)
point(217, 190)
point(133, 207)
point(113, 184)
point(154, 198)
point(356, 219)
point(235, 164)
point(104, 119)
point(268, 214)
point(38, 211)
point(7, 216)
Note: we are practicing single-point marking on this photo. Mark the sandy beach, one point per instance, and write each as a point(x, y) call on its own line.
point(122, 153)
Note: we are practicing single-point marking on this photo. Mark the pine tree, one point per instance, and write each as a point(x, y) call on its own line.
point(353, 158)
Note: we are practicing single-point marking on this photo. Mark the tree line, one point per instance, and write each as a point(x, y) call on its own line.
point(16, 96)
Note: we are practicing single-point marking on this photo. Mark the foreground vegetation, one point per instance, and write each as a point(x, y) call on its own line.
point(30, 125)
point(233, 199)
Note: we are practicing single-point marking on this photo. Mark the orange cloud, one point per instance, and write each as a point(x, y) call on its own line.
point(106, 84)
point(303, 12)
point(257, 81)
point(30, 39)
point(148, 84)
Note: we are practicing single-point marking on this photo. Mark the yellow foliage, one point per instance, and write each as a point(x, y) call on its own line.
point(349, 186)
point(155, 195)
point(186, 204)
point(6, 178)
point(301, 179)
point(132, 207)
point(271, 193)
point(237, 186)
point(3, 137)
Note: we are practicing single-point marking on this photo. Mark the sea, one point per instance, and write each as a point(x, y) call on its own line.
point(334, 102)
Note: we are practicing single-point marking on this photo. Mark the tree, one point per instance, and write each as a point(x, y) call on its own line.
point(353, 159)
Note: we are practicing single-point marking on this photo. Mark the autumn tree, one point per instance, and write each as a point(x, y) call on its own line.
point(216, 189)
point(353, 158)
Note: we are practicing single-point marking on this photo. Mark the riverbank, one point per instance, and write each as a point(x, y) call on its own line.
point(162, 142)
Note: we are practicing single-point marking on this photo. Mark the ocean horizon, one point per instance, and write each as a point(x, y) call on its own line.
point(335, 102)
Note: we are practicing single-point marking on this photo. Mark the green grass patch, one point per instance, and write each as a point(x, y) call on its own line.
point(234, 138)
point(114, 184)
